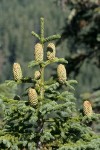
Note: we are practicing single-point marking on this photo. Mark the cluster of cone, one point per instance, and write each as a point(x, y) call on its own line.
point(38, 53)
point(61, 72)
point(87, 108)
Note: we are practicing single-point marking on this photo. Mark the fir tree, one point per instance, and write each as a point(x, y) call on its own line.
point(48, 119)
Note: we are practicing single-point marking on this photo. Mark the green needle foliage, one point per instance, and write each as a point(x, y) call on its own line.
point(48, 119)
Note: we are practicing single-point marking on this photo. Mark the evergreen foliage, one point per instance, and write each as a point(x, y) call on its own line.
point(48, 119)
point(6, 90)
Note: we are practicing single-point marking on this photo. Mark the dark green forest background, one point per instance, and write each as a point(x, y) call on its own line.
point(77, 22)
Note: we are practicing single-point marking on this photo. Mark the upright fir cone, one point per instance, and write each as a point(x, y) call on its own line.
point(87, 108)
point(37, 75)
point(17, 72)
point(38, 52)
point(51, 51)
point(61, 72)
point(33, 97)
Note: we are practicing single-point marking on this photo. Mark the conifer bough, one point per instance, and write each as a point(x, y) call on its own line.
point(87, 108)
point(61, 72)
point(17, 72)
point(33, 97)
